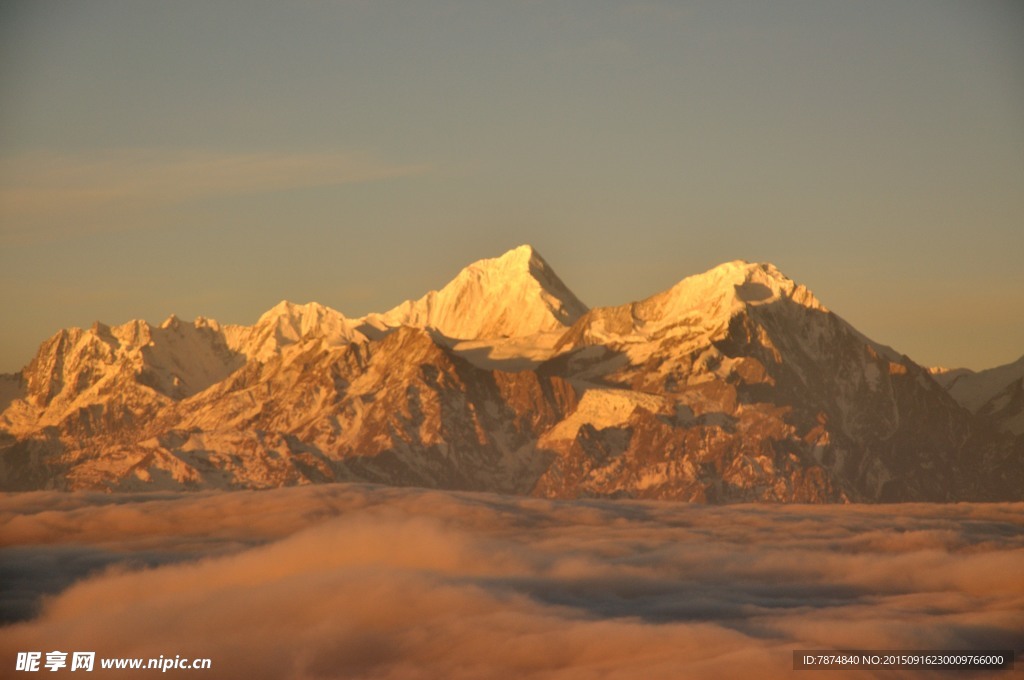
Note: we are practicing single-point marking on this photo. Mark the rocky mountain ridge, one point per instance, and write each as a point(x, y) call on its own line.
point(733, 385)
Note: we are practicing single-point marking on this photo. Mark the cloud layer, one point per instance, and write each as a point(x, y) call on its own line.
point(44, 191)
point(355, 581)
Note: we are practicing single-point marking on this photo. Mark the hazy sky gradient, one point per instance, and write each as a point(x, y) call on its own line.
point(214, 158)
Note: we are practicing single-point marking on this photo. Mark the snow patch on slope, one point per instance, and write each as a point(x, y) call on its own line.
point(509, 354)
point(603, 408)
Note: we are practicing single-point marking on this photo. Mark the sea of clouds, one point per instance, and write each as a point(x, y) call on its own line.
point(370, 582)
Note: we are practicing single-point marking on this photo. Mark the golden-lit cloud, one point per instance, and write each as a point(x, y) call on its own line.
point(357, 581)
point(44, 190)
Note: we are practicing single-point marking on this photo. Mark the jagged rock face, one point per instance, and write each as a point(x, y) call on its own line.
point(78, 368)
point(437, 420)
point(734, 385)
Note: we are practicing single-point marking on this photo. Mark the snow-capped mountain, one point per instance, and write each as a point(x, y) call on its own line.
point(286, 324)
point(770, 395)
point(152, 365)
point(515, 295)
point(735, 384)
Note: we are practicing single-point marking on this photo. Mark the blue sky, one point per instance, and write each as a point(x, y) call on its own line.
point(213, 158)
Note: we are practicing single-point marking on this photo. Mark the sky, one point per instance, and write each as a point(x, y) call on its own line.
point(214, 158)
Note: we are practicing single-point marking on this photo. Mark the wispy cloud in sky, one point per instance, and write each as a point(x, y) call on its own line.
point(45, 194)
point(353, 581)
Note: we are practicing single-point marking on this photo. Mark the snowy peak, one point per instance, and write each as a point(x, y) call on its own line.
point(287, 323)
point(517, 259)
point(80, 366)
point(700, 305)
point(515, 295)
point(725, 290)
point(564, 306)
point(285, 309)
point(297, 321)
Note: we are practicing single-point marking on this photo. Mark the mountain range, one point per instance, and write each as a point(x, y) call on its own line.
point(734, 385)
